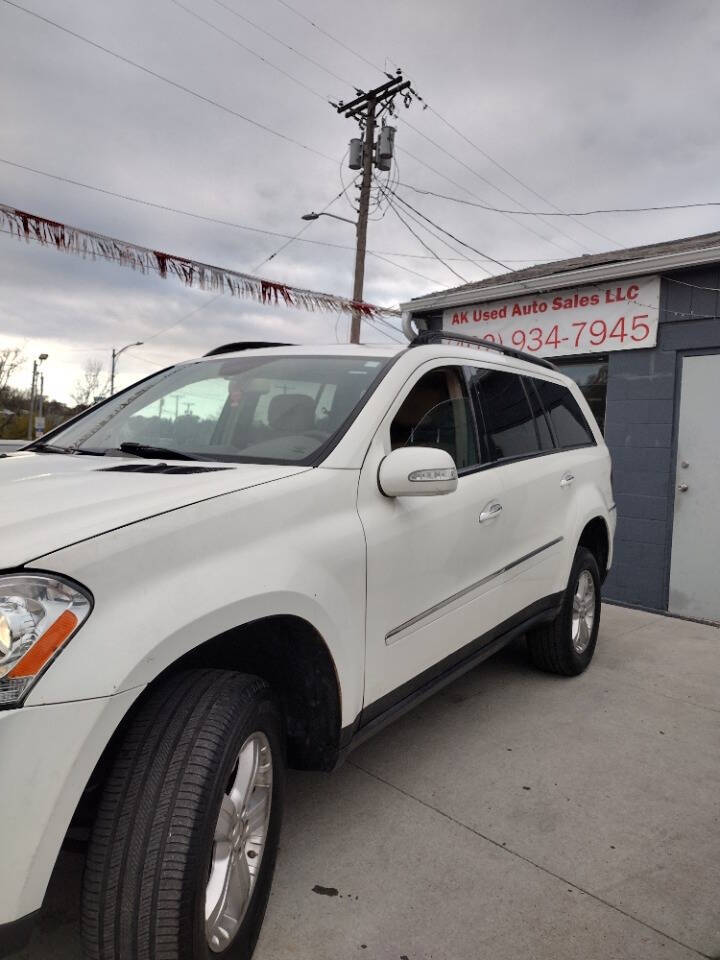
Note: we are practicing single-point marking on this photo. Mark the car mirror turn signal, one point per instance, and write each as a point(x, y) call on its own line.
point(417, 472)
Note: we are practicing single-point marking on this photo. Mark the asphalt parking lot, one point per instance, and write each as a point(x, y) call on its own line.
point(512, 815)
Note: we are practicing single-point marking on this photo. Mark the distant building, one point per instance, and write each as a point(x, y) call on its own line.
point(639, 330)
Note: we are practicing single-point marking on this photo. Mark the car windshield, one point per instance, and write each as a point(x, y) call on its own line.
point(263, 409)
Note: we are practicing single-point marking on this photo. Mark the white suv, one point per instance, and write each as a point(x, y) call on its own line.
point(259, 558)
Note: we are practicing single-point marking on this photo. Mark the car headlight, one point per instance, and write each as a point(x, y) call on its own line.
point(38, 615)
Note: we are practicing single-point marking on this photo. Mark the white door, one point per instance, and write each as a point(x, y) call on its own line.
point(539, 480)
point(695, 565)
point(435, 577)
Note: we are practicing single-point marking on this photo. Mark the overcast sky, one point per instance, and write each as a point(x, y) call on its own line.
point(591, 103)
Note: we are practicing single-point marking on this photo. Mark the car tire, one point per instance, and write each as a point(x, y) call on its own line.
point(566, 644)
point(190, 813)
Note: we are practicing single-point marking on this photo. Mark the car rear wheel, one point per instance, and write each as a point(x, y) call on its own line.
point(566, 644)
point(183, 849)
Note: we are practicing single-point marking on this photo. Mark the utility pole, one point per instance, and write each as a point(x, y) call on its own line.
point(361, 229)
point(366, 108)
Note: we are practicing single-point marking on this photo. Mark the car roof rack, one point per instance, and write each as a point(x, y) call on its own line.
point(436, 336)
point(244, 345)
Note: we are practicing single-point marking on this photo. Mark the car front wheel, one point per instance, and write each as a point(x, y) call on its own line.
point(183, 849)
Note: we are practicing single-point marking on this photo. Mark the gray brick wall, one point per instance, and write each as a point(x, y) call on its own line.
point(639, 431)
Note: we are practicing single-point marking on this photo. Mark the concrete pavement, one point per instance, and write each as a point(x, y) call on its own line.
point(514, 814)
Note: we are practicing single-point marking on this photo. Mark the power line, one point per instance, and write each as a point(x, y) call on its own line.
point(254, 269)
point(294, 79)
point(198, 216)
point(411, 216)
point(483, 153)
point(391, 336)
point(186, 316)
point(400, 266)
point(340, 43)
point(162, 206)
point(424, 224)
point(272, 36)
point(249, 50)
point(695, 286)
point(167, 80)
point(305, 228)
point(320, 96)
point(460, 186)
point(507, 213)
point(421, 241)
point(575, 213)
point(451, 235)
point(390, 327)
point(530, 284)
point(487, 156)
point(512, 175)
point(509, 173)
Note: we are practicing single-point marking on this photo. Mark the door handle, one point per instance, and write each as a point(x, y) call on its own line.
point(490, 512)
point(567, 479)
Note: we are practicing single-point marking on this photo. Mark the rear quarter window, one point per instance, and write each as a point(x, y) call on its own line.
point(569, 425)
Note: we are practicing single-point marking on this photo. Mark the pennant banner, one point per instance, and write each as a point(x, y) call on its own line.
point(30, 226)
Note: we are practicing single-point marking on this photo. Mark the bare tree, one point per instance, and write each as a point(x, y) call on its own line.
point(11, 358)
point(92, 384)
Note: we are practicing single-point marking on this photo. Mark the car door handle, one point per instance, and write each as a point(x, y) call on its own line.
point(490, 512)
point(567, 479)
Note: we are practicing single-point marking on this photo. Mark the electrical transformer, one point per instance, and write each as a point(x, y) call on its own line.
point(386, 143)
point(355, 160)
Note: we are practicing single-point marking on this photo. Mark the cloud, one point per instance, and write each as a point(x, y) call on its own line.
point(589, 104)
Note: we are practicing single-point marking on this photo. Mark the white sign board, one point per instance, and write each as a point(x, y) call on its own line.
point(594, 318)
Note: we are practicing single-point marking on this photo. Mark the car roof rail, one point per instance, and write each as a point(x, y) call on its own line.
point(244, 345)
point(437, 336)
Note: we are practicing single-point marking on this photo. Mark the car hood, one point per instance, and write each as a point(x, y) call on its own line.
point(48, 501)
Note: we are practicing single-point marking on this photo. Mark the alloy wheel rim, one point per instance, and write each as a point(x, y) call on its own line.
point(583, 612)
point(239, 841)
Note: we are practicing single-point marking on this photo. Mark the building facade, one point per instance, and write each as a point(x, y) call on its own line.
point(639, 330)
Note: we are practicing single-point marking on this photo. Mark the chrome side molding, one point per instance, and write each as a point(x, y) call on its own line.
point(413, 621)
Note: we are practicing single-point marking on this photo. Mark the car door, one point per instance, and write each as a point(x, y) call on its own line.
point(572, 471)
point(434, 564)
point(521, 445)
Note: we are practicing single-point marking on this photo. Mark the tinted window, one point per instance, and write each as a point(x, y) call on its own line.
point(508, 420)
point(541, 421)
point(591, 376)
point(568, 422)
point(437, 413)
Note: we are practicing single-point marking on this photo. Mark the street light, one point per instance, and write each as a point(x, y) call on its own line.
point(31, 415)
point(359, 270)
point(115, 355)
point(314, 216)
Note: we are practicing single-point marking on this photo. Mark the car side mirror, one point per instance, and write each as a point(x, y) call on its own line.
point(417, 472)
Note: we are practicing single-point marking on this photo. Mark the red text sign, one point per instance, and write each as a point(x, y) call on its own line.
point(591, 319)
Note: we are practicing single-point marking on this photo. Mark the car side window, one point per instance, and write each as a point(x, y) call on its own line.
point(568, 421)
point(508, 419)
point(437, 413)
point(542, 425)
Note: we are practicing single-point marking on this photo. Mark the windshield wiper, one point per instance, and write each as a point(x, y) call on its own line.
point(50, 448)
point(149, 451)
point(73, 451)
